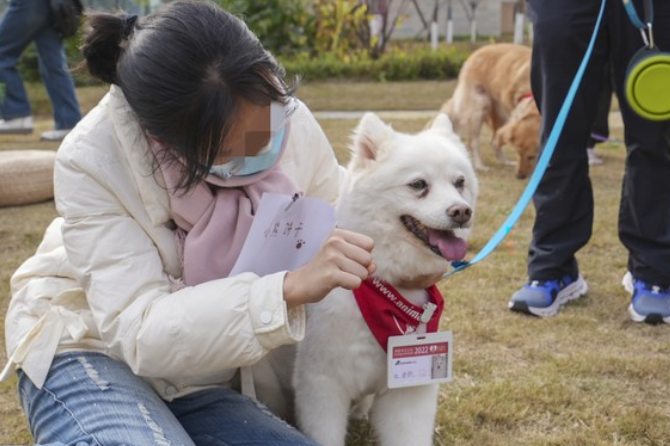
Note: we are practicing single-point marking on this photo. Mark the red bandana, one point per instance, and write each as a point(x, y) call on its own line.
point(388, 313)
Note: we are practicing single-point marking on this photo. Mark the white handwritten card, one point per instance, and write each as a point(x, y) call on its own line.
point(285, 234)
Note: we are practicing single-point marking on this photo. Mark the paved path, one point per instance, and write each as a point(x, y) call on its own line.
point(614, 118)
point(383, 114)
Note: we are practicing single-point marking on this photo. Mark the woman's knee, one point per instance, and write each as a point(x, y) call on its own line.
point(91, 395)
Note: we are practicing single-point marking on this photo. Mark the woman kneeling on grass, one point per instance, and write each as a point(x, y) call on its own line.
point(126, 326)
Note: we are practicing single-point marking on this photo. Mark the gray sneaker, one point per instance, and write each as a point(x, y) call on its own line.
point(545, 298)
point(16, 126)
point(594, 158)
point(649, 303)
point(55, 135)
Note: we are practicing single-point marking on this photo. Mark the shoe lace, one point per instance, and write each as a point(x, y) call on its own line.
point(655, 289)
point(545, 283)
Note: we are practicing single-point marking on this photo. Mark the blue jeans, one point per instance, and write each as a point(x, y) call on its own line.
point(91, 399)
point(25, 21)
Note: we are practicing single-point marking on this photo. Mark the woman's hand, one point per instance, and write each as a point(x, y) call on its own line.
point(344, 260)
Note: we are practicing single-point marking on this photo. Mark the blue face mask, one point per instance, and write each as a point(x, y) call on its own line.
point(267, 156)
point(249, 165)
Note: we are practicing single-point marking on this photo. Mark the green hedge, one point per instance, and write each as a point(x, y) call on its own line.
point(396, 65)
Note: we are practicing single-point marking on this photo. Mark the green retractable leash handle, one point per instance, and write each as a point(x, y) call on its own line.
point(647, 84)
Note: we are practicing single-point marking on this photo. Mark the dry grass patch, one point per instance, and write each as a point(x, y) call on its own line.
point(427, 95)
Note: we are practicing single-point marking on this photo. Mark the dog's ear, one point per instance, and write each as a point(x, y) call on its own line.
point(369, 135)
point(442, 124)
point(504, 135)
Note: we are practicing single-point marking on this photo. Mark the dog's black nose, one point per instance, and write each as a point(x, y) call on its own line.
point(460, 213)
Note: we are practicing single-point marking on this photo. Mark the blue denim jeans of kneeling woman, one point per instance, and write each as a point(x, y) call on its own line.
point(91, 399)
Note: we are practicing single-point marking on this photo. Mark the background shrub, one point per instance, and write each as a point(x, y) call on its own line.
point(314, 39)
point(395, 65)
point(284, 26)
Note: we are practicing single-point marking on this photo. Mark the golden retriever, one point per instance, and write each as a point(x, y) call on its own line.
point(494, 88)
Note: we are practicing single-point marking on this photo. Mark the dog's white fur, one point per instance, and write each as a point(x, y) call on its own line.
point(340, 363)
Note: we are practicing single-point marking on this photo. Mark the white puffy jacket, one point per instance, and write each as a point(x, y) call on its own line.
point(103, 278)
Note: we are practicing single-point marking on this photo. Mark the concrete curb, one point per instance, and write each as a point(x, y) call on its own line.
point(615, 119)
point(383, 114)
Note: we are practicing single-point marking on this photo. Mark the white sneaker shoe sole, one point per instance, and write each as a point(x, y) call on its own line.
point(16, 126)
point(54, 135)
point(627, 282)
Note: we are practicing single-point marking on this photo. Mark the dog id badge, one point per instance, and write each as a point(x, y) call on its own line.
point(419, 359)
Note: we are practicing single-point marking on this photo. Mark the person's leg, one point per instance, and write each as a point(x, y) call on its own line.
point(92, 399)
point(57, 79)
point(644, 216)
point(644, 220)
point(600, 130)
point(220, 416)
point(564, 198)
point(21, 22)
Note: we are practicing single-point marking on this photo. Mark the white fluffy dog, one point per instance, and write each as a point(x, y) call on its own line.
point(415, 196)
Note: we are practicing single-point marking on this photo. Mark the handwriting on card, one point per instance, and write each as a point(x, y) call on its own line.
point(283, 228)
point(285, 234)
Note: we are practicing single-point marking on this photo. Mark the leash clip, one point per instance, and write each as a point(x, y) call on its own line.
point(638, 23)
point(647, 36)
point(428, 311)
point(650, 31)
point(456, 264)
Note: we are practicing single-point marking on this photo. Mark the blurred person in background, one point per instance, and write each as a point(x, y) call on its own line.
point(23, 22)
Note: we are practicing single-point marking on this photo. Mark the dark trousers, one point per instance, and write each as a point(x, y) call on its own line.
point(600, 130)
point(564, 199)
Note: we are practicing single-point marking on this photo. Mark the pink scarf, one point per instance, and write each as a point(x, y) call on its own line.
point(214, 217)
point(388, 313)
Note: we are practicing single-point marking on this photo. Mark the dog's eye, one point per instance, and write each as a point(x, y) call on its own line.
point(459, 183)
point(418, 184)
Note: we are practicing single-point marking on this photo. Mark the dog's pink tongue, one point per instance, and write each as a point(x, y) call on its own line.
point(450, 246)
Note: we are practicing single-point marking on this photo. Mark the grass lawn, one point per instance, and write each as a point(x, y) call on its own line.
point(588, 376)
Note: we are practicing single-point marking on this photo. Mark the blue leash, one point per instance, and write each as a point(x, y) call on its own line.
point(632, 13)
point(542, 163)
